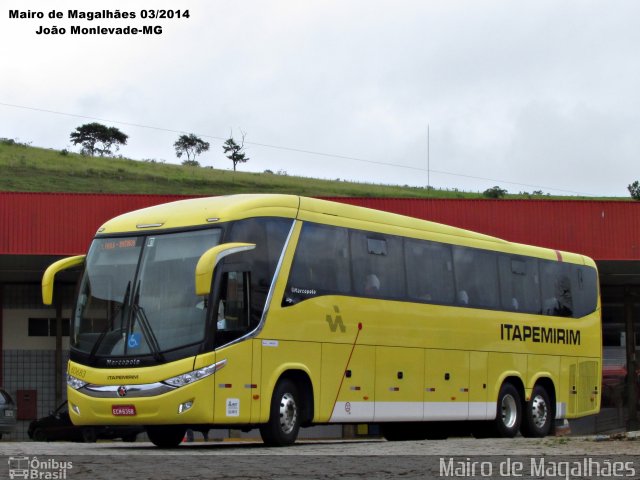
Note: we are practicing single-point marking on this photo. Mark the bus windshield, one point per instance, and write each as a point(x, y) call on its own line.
point(137, 295)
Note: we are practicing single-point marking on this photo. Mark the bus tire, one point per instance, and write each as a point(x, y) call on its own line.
point(166, 436)
point(40, 435)
point(89, 435)
point(537, 420)
point(509, 411)
point(284, 415)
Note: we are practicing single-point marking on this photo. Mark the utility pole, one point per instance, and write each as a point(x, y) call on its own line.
point(428, 161)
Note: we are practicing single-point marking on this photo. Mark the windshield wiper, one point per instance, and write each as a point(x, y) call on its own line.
point(109, 327)
point(145, 326)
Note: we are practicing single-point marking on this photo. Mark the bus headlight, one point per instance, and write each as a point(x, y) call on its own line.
point(74, 382)
point(190, 377)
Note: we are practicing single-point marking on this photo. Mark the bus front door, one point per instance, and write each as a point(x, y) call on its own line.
point(233, 387)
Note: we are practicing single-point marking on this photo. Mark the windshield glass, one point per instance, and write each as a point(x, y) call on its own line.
point(123, 310)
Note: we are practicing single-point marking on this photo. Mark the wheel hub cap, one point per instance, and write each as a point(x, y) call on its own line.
point(288, 413)
point(539, 411)
point(509, 411)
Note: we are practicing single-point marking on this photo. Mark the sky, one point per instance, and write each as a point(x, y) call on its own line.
point(527, 95)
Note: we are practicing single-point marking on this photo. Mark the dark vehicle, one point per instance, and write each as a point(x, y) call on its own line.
point(58, 426)
point(7, 413)
point(614, 385)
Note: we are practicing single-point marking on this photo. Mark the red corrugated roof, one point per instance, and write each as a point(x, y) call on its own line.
point(63, 224)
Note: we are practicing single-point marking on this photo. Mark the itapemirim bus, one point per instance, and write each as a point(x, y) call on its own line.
point(281, 312)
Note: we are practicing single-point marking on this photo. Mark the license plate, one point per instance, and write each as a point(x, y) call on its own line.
point(123, 410)
point(8, 413)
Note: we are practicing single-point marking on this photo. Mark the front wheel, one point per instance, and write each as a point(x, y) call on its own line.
point(537, 414)
point(89, 435)
point(167, 436)
point(40, 436)
point(284, 417)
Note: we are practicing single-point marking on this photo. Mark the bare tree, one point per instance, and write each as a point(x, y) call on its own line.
point(234, 152)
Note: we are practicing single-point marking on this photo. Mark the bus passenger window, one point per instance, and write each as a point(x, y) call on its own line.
point(556, 289)
point(320, 265)
point(584, 289)
point(378, 267)
point(519, 284)
point(429, 271)
point(476, 273)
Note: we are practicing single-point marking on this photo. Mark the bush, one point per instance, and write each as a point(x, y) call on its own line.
point(11, 142)
point(494, 192)
point(191, 163)
point(634, 190)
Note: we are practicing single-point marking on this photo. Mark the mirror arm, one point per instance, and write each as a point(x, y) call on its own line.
point(210, 259)
point(49, 275)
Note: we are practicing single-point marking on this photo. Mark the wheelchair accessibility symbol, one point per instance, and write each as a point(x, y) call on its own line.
point(134, 340)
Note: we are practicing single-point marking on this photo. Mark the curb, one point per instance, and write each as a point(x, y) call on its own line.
point(635, 435)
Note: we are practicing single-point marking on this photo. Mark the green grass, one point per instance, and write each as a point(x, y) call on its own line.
point(30, 169)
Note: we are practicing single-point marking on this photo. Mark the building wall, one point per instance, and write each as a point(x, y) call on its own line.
point(29, 362)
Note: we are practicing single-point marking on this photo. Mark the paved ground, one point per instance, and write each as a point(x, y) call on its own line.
point(458, 457)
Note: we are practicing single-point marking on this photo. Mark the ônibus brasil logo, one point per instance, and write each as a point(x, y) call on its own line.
point(34, 468)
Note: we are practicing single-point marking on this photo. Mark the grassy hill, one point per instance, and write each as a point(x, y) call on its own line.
point(31, 169)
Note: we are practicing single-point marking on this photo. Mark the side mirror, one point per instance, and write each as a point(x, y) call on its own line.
point(209, 259)
point(49, 275)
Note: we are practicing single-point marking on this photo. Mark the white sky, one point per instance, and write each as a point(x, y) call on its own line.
point(534, 92)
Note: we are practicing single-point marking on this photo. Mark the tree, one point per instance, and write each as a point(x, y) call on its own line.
point(97, 138)
point(234, 152)
point(191, 146)
point(634, 190)
point(494, 192)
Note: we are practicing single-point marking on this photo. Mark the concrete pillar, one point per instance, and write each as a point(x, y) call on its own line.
point(631, 380)
point(58, 355)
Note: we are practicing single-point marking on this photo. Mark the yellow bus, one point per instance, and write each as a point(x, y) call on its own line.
point(281, 312)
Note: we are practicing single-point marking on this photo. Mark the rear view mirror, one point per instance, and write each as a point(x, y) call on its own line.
point(48, 278)
point(208, 261)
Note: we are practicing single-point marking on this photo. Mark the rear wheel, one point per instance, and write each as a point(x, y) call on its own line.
point(284, 418)
point(509, 412)
point(538, 414)
point(166, 436)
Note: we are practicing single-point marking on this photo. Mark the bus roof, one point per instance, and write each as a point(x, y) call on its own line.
point(212, 210)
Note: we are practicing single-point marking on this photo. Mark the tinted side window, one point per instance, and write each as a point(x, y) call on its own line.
point(519, 284)
point(320, 265)
point(584, 285)
point(378, 266)
point(476, 273)
point(429, 271)
point(557, 298)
